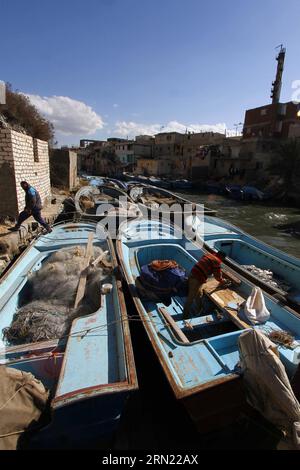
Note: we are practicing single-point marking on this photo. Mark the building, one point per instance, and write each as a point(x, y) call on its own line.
point(276, 121)
point(125, 152)
point(22, 158)
point(153, 167)
point(63, 168)
point(177, 155)
point(99, 158)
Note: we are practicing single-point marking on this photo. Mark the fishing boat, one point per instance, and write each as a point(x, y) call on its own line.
point(275, 271)
point(246, 193)
point(101, 201)
point(156, 202)
point(159, 182)
point(199, 359)
point(182, 184)
point(90, 372)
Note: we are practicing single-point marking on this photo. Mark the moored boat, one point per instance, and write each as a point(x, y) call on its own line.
point(182, 184)
point(273, 270)
point(95, 203)
point(90, 370)
point(156, 202)
point(200, 360)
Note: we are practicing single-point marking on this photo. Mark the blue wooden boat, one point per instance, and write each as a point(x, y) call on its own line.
point(116, 183)
point(155, 202)
point(98, 202)
point(201, 371)
point(244, 250)
point(91, 373)
point(159, 182)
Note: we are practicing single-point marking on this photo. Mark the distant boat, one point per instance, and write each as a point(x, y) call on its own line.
point(246, 193)
point(182, 184)
point(157, 202)
point(200, 364)
point(115, 183)
point(91, 373)
point(159, 182)
point(101, 201)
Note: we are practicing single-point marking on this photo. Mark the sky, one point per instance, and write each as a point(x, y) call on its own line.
point(102, 68)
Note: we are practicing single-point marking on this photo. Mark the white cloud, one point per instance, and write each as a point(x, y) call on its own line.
point(69, 116)
point(130, 128)
point(115, 105)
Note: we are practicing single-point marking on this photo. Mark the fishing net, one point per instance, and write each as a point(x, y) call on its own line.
point(50, 311)
point(269, 277)
point(37, 321)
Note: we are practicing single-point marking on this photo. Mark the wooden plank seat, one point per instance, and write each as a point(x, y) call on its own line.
point(222, 296)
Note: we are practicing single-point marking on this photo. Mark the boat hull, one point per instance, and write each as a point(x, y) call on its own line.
point(203, 371)
point(217, 407)
point(90, 376)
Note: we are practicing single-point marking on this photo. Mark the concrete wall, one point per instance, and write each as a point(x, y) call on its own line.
point(153, 167)
point(63, 168)
point(22, 158)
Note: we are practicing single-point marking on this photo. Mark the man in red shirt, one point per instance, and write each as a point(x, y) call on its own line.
point(209, 264)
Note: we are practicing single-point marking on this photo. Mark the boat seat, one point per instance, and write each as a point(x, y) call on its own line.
point(222, 297)
point(85, 362)
point(202, 321)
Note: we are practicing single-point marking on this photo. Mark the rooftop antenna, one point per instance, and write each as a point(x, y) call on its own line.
point(276, 85)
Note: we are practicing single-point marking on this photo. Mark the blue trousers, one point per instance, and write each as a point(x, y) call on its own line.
point(36, 214)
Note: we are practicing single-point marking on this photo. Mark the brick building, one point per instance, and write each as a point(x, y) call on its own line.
point(274, 120)
point(22, 158)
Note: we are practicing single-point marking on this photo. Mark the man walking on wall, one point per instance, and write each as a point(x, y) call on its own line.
point(33, 206)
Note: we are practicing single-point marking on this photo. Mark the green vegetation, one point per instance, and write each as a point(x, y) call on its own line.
point(20, 114)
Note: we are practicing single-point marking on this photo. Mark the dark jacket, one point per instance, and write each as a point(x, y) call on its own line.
point(32, 199)
point(207, 265)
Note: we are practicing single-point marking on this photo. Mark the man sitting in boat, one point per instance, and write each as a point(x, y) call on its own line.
point(207, 265)
point(33, 206)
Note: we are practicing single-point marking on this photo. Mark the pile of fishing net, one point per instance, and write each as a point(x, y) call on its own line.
point(52, 289)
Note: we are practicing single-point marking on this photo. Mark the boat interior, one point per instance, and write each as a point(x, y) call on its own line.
point(244, 250)
point(148, 195)
point(103, 195)
point(211, 349)
point(92, 354)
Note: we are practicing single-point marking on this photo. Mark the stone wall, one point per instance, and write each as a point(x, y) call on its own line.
point(21, 158)
point(63, 168)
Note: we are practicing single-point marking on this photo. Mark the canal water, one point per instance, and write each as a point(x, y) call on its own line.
point(254, 218)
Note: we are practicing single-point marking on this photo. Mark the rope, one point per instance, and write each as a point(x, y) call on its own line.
point(11, 398)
